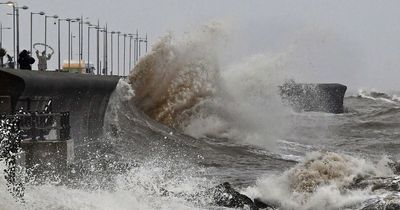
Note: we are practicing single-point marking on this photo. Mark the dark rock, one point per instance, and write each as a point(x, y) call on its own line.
point(395, 166)
point(379, 95)
point(225, 195)
point(220, 195)
point(381, 205)
point(265, 205)
point(377, 183)
point(313, 97)
point(359, 182)
point(387, 188)
point(260, 204)
point(393, 206)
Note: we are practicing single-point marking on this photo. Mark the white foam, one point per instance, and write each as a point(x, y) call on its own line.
point(393, 99)
point(139, 188)
point(319, 182)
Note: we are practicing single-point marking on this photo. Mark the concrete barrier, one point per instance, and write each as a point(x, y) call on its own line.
point(84, 96)
point(314, 97)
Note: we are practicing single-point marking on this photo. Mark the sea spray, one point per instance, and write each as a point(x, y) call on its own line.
point(121, 95)
point(322, 180)
point(139, 188)
point(377, 95)
point(176, 75)
point(7, 201)
point(247, 107)
point(181, 83)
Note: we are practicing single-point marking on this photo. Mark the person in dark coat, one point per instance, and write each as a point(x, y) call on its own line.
point(25, 60)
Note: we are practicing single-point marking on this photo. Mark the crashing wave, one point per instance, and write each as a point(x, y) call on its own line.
point(175, 76)
point(375, 95)
point(328, 180)
point(182, 84)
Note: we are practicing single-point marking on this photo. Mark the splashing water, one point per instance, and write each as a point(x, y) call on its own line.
point(175, 76)
point(139, 188)
point(181, 84)
point(376, 95)
point(248, 107)
point(320, 181)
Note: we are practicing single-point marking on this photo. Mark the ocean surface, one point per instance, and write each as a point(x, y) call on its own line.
point(180, 123)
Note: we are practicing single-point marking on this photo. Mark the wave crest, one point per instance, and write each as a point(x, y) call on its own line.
point(181, 83)
point(322, 180)
point(376, 95)
point(175, 76)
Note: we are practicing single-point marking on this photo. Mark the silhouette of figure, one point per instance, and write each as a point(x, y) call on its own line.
point(42, 60)
point(25, 60)
point(10, 62)
point(3, 52)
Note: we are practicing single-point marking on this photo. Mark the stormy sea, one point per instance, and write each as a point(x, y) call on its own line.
point(181, 123)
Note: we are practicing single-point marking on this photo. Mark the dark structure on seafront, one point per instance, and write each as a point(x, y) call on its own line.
point(84, 96)
point(314, 97)
point(55, 111)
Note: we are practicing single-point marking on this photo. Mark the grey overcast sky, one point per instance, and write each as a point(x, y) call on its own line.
point(356, 42)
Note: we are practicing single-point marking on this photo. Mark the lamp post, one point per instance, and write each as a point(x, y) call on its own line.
point(112, 53)
point(104, 31)
point(136, 57)
point(16, 9)
point(88, 45)
point(59, 40)
point(15, 27)
point(98, 47)
point(105, 50)
point(124, 54)
point(72, 40)
point(118, 33)
point(76, 20)
point(45, 29)
point(81, 23)
point(140, 45)
point(1, 33)
point(79, 40)
point(146, 42)
point(12, 4)
point(17, 13)
point(69, 42)
point(1, 41)
point(130, 50)
point(100, 29)
point(80, 32)
point(34, 13)
point(69, 20)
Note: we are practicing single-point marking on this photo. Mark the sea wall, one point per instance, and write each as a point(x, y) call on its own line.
point(84, 96)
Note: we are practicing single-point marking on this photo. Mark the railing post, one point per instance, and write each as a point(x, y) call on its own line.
point(33, 125)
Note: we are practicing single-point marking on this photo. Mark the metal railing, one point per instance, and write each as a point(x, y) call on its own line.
point(43, 126)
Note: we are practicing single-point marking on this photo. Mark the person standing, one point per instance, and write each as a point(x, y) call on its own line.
point(25, 60)
point(10, 62)
point(3, 52)
point(42, 60)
